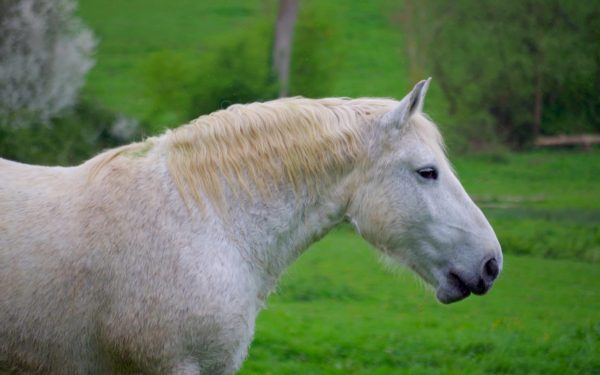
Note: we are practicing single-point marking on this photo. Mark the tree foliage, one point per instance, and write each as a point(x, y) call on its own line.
point(515, 68)
point(236, 69)
point(83, 131)
point(45, 52)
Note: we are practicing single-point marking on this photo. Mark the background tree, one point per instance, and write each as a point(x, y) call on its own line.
point(513, 69)
point(417, 32)
point(45, 52)
point(282, 46)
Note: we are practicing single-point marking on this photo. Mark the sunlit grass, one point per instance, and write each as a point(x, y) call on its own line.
point(354, 317)
point(540, 203)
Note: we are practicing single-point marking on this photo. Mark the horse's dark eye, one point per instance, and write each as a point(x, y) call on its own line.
point(428, 173)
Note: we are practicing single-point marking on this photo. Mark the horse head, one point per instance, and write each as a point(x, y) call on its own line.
point(410, 205)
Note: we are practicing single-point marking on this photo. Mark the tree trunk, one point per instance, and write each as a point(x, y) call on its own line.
point(409, 21)
point(538, 102)
point(282, 48)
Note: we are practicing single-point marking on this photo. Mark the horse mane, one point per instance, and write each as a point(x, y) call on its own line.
point(256, 147)
point(260, 145)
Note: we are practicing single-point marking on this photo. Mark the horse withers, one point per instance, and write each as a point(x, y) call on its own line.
point(156, 257)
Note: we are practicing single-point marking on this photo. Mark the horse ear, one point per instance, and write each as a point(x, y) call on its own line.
point(410, 104)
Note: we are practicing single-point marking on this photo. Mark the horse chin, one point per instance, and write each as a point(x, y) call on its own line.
point(452, 289)
point(450, 293)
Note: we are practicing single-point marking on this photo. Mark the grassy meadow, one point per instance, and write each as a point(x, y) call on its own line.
point(339, 310)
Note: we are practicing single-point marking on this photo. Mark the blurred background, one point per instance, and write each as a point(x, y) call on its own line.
point(515, 91)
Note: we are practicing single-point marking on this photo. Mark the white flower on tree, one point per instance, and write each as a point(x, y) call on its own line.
point(45, 53)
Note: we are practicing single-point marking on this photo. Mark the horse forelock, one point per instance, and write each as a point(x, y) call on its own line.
point(257, 146)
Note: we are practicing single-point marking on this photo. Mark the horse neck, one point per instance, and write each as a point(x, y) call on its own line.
point(274, 232)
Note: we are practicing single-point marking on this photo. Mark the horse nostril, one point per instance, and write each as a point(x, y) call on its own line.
point(481, 288)
point(490, 269)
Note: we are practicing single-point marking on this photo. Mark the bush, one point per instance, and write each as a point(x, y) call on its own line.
point(315, 54)
point(518, 65)
point(45, 52)
point(239, 71)
point(168, 80)
point(237, 68)
point(78, 135)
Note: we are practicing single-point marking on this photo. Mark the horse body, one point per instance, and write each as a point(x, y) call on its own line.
point(116, 266)
point(120, 279)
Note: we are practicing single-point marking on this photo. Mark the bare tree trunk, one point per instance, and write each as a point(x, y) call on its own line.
point(538, 102)
point(420, 22)
point(413, 39)
point(282, 48)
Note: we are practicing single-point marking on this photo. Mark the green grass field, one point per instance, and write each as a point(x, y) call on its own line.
point(338, 310)
point(540, 203)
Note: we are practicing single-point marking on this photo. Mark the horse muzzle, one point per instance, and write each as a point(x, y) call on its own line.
point(459, 285)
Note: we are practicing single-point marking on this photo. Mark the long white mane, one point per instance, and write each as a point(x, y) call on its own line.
point(257, 146)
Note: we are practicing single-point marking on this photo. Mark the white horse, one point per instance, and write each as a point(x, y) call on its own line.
point(156, 257)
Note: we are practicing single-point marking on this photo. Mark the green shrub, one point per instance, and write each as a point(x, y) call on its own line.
point(238, 71)
point(168, 77)
point(495, 60)
point(315, 54)
point(237, 68)
point(68, 140)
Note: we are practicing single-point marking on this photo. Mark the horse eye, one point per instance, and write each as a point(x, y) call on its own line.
point(428, 173)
